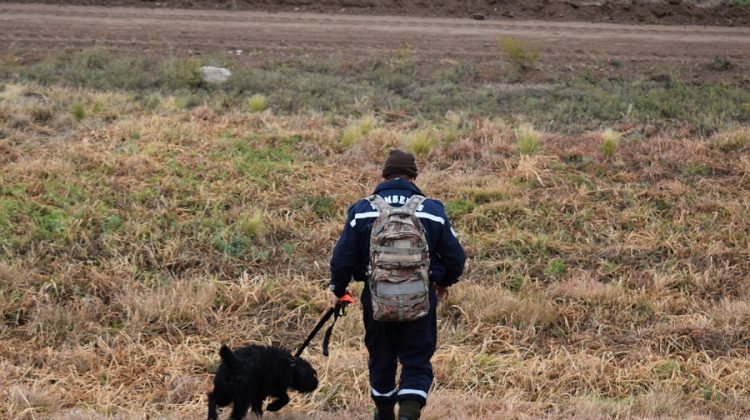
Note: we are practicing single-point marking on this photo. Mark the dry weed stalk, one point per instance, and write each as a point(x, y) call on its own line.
point(528, 168)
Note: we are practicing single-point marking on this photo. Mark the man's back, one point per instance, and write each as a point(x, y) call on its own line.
point(351, 254)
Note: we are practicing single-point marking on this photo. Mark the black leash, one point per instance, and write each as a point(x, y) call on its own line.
point(337, 312)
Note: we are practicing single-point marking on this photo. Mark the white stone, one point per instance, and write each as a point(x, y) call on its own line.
point(213, 74)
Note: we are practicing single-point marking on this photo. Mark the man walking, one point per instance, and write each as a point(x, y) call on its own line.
point(402, 245)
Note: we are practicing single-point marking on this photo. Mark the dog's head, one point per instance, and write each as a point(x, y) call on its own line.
point(304, 376)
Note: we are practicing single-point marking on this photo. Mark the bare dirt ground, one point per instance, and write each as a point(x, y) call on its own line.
point(30, 30)
point(678, 12)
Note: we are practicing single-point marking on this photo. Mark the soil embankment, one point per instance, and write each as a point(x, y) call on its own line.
point(673, 12)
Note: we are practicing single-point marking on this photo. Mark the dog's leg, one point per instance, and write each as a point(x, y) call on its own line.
point(258, 406)
point(239, 409)
point(279, 402)
point(212, 415)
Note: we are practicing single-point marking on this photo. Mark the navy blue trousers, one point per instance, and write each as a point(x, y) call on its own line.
point(410, 343)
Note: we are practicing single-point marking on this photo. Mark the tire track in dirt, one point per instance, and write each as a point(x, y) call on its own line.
point(34, 27)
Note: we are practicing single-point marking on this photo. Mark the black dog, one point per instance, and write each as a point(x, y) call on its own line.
point(250, 374)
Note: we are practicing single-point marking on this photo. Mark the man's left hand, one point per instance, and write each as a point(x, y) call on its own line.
point(344, 300)
point(442, 293)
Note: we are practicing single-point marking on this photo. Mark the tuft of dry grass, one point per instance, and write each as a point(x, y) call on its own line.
point(610, 140)
point(732, 141)
point(583, 288)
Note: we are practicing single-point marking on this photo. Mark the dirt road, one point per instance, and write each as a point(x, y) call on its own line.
point(34, 29)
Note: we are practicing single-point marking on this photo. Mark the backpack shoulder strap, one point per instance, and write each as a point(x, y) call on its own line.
point(378, 202)
point(413, 203)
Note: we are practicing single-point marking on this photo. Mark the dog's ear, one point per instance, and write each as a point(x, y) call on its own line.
point(226, 355)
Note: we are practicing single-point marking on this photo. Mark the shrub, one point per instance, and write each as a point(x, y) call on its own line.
point(79, 113)
point(180, 74)
point(521, 53)
point(719, 63)
point(257, 103)
point(528, 140)
point(610, 139)
point(460, 207)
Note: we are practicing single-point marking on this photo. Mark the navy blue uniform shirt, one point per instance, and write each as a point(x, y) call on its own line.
point(351, 254)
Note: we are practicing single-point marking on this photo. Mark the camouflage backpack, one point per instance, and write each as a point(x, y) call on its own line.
point(399, 262)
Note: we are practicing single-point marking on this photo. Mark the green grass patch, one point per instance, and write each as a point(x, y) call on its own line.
point(105, 70)
point(695, 169)
point(486, 195)
point(398, 84)
point(51, 224)
point(113, 223)
point(237, 246)
point(457, 208)
point(556, 267)
point(261, 163)
point(515, 283)
point(666, 369)
point(321, 205)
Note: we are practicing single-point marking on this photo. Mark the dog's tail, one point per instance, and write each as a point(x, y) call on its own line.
point(226, 355)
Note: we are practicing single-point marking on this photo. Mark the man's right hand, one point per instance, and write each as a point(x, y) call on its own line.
point(334, 300)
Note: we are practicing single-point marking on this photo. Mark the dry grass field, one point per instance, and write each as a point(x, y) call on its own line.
point(145, 222)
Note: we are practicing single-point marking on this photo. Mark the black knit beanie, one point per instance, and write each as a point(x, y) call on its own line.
point(400, 163)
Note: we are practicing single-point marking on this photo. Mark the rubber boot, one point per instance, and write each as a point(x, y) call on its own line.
point(385, 412)
point(409, 410)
